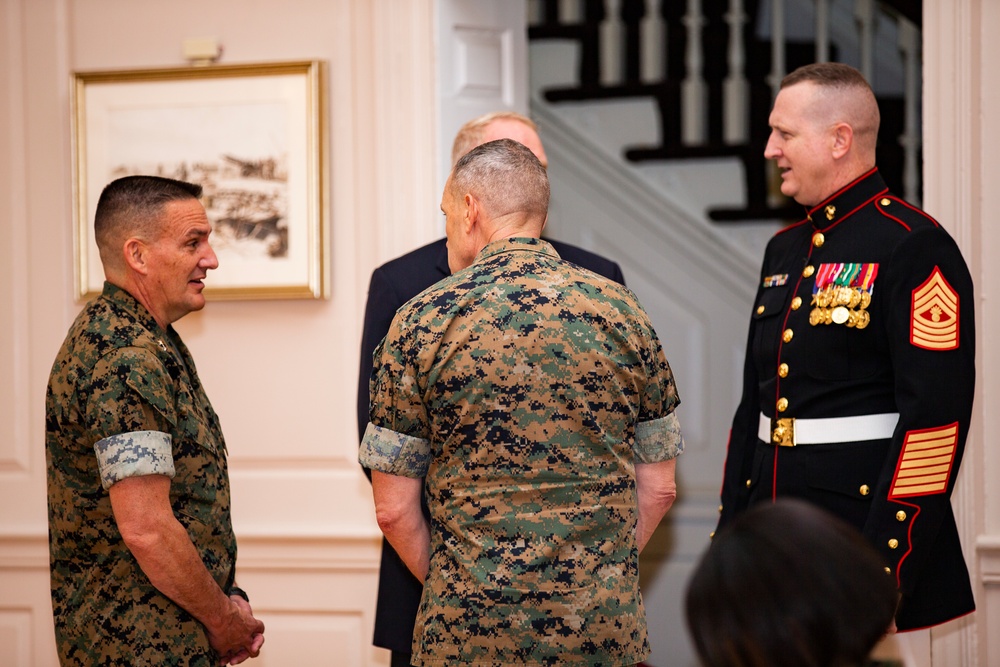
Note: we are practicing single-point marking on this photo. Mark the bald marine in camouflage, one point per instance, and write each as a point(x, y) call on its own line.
point(533, 398)
point(142, 550)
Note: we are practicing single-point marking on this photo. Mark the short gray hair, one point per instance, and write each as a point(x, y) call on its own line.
point(133, 206)
point(505, 176)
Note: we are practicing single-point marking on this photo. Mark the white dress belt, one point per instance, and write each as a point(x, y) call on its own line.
point(825, 431)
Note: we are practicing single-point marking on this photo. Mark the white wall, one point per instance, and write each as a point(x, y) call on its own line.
point(281, 374)
point(961, 170)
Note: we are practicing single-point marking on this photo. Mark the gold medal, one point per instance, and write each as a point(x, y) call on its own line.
point(815, 316)
point(843, 296)
point(823, 297)
point(839, 315)
point(855, 298)
point(866, 299)
point(863, 319)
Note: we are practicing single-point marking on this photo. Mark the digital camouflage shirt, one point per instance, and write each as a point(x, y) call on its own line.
point(124, 399)
point(524, 389)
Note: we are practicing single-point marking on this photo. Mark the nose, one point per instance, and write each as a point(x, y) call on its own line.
point(209, 260)
point(771, 151)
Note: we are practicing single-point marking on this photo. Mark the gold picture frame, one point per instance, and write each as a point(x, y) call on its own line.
point(252, 135)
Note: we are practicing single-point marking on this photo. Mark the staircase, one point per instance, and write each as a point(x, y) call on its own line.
point(654, 119)
point(712, 68)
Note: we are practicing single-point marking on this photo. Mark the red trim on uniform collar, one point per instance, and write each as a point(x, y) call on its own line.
point(819, 208)
point(841, 191)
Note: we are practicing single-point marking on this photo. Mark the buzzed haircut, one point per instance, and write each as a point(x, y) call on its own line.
point(132, 206)
point(859, 100)
point(505, 176)
point(471, 134)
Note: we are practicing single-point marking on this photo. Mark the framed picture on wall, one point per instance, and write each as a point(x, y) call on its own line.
point(250, 135)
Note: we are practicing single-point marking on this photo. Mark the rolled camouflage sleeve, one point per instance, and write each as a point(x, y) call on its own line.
point(394, 453)
point(658, 440)
point(134, 455)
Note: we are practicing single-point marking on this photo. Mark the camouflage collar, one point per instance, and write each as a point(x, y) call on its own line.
point(122, 299)
point(516, 243)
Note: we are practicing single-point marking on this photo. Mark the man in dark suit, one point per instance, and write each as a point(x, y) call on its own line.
point(393, 284)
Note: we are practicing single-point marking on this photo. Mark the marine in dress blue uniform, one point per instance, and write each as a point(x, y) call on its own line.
point(859, 375)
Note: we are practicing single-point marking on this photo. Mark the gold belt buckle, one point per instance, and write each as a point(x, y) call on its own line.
point(783, 432)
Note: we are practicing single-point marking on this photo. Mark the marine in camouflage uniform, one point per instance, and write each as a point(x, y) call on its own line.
point(525, 389)
point(393, 284)
point(138, 486)
point(125, 387)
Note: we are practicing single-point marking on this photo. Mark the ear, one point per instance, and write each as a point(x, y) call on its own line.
point(843, 140)
point(472, 213)
point(135, 254)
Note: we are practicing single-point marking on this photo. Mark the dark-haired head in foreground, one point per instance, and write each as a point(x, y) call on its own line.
point(788, 584)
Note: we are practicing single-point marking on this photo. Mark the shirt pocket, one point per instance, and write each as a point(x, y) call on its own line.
point(767, 319)
point(843, 477)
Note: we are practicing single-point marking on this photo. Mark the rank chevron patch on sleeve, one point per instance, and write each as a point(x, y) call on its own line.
point(926, 462)
point(934, 314)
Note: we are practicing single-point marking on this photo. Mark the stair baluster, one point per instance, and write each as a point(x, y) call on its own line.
point(713, 78)
point(909, 45)
point(652, 38)
point(736, 88)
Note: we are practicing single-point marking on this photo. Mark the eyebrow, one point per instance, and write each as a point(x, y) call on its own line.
point(196, 232)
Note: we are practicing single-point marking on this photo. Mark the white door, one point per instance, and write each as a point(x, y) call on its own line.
point(482, 65)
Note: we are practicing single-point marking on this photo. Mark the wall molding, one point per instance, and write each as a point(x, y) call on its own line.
point(957, 54)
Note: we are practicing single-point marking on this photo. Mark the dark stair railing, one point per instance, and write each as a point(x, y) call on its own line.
point(708, 58)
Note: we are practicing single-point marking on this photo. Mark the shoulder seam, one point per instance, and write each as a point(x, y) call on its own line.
point(792, 226)
point(910, 207)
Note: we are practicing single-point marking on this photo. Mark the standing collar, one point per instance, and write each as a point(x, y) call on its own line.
point(847, 200)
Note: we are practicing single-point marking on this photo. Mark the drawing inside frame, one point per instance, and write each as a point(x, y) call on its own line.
point(250, 135)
